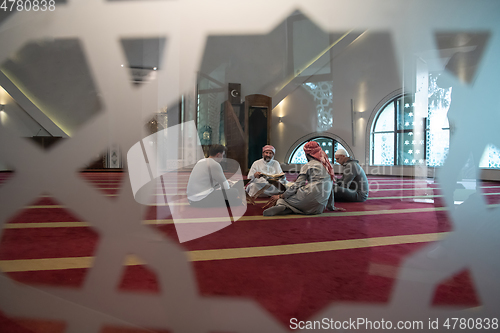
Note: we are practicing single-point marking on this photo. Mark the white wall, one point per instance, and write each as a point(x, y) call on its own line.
point(255, 61)
point(365, 72)
point(16, 120)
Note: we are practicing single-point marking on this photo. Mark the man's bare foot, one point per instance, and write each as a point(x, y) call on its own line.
point(335, 209)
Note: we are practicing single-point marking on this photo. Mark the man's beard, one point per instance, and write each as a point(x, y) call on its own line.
point(268, 159)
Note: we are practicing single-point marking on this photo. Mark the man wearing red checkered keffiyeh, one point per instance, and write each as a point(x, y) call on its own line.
point(313, 149)
point(311, 191)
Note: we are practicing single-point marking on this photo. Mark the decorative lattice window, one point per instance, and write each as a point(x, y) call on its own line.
point(328, 145)
point(323, 98)
point(399, 137)
point(490, 158)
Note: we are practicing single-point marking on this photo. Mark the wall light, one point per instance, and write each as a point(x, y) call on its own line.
point(3, 115)
point(280, 120)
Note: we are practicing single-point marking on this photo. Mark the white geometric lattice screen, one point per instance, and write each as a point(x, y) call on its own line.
point(99, 25)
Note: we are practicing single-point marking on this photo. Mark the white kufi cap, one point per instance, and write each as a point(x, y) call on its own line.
point(341, 151)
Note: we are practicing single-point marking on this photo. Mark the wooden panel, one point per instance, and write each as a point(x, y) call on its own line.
point(234, 93)
point(236, 140)
point(264, 103)
point(260, 101)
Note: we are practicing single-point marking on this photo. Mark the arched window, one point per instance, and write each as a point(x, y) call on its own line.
point(490, 158)
point(329, 145)
point(397, 137)
point(437, 126)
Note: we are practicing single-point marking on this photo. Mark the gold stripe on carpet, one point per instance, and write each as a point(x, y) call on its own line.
point(24, 265)
point(262, 201)
point(45, 225)
point(243, 218)
point(44, 206)
point(223, 219)
point(46, 264)
point(295, 216)
point(264, 251)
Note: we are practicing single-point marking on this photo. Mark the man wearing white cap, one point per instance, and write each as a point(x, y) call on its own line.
point(353, 186)
point(265, 166)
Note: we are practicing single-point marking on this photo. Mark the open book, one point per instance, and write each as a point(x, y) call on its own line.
point(277, 176)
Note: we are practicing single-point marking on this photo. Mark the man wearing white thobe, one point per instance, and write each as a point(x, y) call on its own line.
point(268, 166)
point(207, 184)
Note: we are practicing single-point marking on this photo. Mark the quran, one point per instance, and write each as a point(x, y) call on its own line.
point(273, 180)
point(277, 176)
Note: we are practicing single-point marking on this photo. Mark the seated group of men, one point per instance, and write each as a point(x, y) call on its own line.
point(315, 188)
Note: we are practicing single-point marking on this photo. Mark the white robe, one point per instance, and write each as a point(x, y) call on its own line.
point(269, 168)
point(203, 181)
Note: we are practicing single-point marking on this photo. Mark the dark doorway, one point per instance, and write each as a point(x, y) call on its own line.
point(257, 133)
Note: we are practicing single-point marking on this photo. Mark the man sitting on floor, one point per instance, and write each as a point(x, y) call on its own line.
point(353, 186)
point(207, 185)
point(310, 192)
point(265, 166)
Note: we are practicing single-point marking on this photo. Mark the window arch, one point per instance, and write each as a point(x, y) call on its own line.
point(392, 136)
point(490, 158)
point(328, 144)
point(396, 137)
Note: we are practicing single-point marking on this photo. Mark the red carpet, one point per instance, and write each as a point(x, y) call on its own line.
point(291, 285)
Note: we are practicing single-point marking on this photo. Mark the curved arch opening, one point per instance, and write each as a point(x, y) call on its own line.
point(328, 142)
point(399, 137)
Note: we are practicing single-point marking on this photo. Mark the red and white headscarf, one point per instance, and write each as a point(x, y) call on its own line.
point(269, 147)
point(313, 149)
